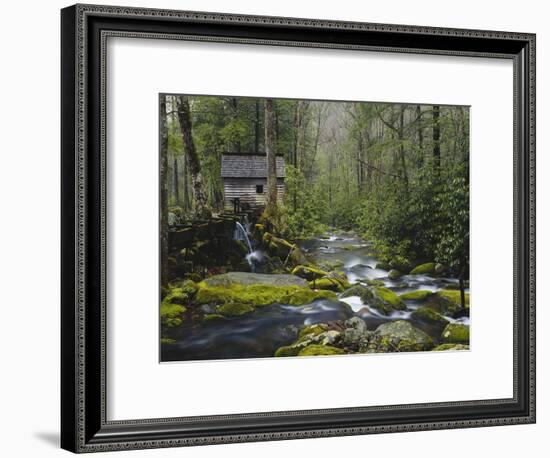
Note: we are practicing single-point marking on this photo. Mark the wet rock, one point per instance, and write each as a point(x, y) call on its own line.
point(382, 266)
point(456, 333)
point(358, 290)
point(401, 336)
point(449, 301)
point(427, 268)
point(420, 295)
point(329, 283)
point(386, 300)
point(429, 315)
point(248, 278)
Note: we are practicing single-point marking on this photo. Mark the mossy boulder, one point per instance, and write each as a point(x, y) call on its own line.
point(320, 350)
point(420, 295)
point(330, 283)
point(257, 295)
point(235, 309)
point(456, 333)
point(358, 290)
point(297, 257)
point(451, 347)
point(309, 272)
point(429, 315)
point(248, 278)
point(386, 300)
point(171, 315)
point(402, 336)
point(450, 300)
point(427, 268)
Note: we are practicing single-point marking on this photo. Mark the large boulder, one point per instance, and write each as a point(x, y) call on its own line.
point(248, 278)
point(386, 300)
point(355, 332)
point(429, 315)
point(456, 333)
point(402, 336)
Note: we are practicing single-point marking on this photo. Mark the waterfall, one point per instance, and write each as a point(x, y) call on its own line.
point(241, 234)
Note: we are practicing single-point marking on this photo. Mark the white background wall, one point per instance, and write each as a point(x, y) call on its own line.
point(29, 229)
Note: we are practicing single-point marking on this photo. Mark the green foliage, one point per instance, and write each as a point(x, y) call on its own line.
point(304, 207)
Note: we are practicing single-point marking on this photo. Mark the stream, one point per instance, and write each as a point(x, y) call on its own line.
point(260, 333)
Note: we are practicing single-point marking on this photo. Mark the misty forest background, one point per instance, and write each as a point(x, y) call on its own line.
point(397, 174)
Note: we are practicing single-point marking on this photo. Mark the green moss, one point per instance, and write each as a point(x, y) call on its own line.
point(320, 350)
point(419, 295)
point(330, 283)
point(452, 297)
point(180, 293)
point(359, 290)
point(424, 269)
point(288, 350)
point(171, 315)
point(212, 317)
point(309, 272)
point(301, 296)
point(375, 282)
point(234, 309)
point(451, 346)
point(314, 329)
point(429, 315)
point(456, 333)
point(167, 341)
point(388, 297)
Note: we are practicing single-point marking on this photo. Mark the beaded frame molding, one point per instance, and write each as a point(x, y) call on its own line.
point(85, 30)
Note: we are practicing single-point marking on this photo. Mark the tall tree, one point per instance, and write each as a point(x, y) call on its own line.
point(271, 207)
point(201, 209)
point(163, 190)
point(436, 139)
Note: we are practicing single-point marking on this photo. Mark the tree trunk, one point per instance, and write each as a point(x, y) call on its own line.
point(257, 128)
point(401, 136)
point(201, 209)
point(420, 135)
point(436, 140)
point(271, 207)
point(163, 191)
point(176, 182)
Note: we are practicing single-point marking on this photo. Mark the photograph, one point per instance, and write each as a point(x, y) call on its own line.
point(294, 227)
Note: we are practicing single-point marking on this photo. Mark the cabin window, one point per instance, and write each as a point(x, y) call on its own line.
point(259, 189)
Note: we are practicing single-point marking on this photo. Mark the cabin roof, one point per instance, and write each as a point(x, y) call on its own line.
point(249, 166)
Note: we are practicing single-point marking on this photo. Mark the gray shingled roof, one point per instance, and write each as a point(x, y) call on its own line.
point(249, 166)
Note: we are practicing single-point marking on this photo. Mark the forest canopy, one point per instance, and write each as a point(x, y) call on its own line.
point(398, 174)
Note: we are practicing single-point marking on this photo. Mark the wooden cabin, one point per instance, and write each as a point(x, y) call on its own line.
point(245, 180)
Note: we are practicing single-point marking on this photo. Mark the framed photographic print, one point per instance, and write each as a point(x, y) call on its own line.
point(278, 228)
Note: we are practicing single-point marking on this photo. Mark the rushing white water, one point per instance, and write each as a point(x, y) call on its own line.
point(239, 229)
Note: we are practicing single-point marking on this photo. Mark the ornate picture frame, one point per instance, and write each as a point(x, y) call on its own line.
point(85, 426)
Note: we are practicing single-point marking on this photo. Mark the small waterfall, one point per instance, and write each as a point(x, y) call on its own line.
point(242, 234)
